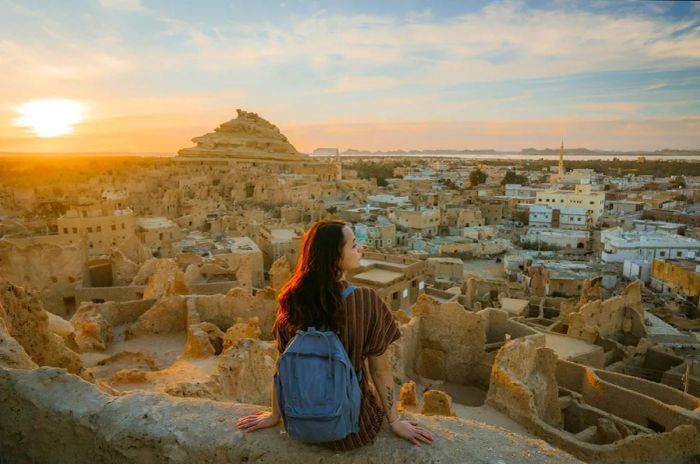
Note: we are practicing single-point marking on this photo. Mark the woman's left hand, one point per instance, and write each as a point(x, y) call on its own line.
point(259, 420)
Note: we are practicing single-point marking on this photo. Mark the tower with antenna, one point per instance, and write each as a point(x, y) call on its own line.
point(561, 160)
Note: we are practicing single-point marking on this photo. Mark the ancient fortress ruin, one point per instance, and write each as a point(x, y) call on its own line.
point(158, 365)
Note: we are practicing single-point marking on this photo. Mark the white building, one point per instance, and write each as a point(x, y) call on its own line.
point(660, 226)
point(385, 200)
point(540, 216)
point(558, 238)
point(582, 197)
point(624, 207)
point(380, 235)
point(619, 246)
point(560, 217)
point(637, 269)
point(575, 218)
point(520, 191)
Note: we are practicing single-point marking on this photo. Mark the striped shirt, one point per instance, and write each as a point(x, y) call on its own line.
point(368, 330)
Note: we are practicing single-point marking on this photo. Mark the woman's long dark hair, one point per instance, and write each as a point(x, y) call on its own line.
point(312, 296)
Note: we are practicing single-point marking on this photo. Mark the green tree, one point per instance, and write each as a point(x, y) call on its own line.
point(678, 182)
point(477, 177)
point(512, 178)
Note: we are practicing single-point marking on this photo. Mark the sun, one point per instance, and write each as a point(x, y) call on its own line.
point(50, 117)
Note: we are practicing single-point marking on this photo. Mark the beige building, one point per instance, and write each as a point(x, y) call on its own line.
point(445, 269)
point(397, 279)
point(680, 277)
point(424, 221)
point(470, 217)
point(581, 197)
point(379, 235)
point(275, 242)
point(157, 234)
point(102, 226)
point(492, 211)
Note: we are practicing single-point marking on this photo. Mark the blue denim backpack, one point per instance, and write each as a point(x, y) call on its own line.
point(317, 388)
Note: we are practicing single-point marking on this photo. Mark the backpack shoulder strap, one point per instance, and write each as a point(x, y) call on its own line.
point(348, 290)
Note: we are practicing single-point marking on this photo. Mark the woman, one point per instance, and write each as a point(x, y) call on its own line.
point(312, 297)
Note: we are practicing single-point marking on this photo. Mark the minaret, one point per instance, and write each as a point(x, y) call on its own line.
point(561, 160)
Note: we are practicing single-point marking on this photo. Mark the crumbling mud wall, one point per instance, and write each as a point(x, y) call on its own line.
point(237, 305)
point(445, 342)
point(597, 416)
point(620, 317)
point(51, 270)
point(25, 321)
point(47, 415)
point(440, 342)
point(93, 322)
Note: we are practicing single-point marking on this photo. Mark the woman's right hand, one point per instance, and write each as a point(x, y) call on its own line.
point(409, 430)
point(257, 421)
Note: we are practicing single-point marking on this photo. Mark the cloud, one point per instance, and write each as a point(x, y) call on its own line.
point(41, 62)
point(656, 86)
point(364, 83)
point(620, 107)
point(123, 5)
point(334, 66)
point(500, 42)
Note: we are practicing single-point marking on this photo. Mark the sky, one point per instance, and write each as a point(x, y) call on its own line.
point(150, 75)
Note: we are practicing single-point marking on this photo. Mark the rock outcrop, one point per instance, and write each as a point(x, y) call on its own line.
point(247, 137)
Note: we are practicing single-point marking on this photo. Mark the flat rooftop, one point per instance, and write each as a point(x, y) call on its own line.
point(568, 347)
point(154, 222)
point(366, 262)
point(688, 264)
point(446, 260)
point(641, 239)
point(283, 235)
point(379, 276)
point(514, 306)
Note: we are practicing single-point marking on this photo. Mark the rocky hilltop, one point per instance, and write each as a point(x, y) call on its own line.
point(248, 137)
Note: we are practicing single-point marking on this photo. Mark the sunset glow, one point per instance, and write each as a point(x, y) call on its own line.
point(503, 75)
point(51, 117)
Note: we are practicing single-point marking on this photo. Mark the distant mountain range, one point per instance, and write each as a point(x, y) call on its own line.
point(587, 152)
point(526, 151)
point(352, 151)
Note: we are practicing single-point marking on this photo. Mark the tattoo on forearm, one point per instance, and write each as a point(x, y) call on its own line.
point(390, 397)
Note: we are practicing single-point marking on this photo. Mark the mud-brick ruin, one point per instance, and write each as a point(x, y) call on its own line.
point(165, 377)
point(152, 351)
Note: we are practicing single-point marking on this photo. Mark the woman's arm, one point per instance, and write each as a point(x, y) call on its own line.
point(383, 380)
point(261, 419)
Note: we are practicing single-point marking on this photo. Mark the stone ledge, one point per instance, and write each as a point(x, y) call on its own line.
point(48, 415)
